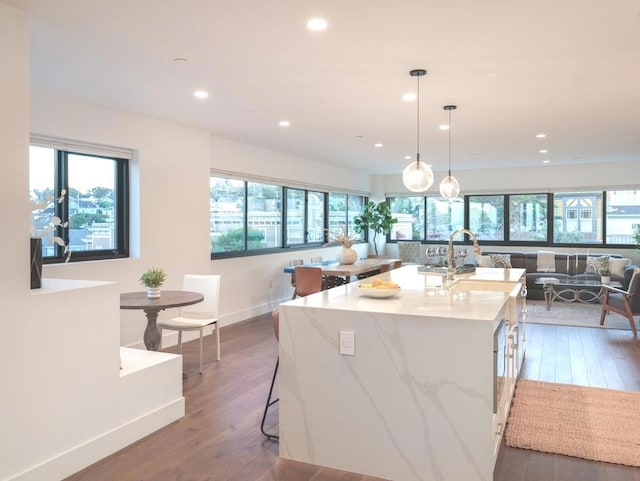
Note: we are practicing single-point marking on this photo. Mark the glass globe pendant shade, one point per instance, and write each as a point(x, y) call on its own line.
point(449, 187)
point(417, 176)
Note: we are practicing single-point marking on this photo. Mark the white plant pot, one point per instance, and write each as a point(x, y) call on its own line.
point(347, 255)
point(153, 292)
point(605, 279)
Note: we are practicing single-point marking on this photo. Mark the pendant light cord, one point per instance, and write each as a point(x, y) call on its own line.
point(418, 120)
point(449, 143)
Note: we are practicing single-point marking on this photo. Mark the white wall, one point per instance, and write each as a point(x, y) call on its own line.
point(544, 178)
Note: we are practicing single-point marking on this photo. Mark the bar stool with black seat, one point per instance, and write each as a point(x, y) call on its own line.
point(308, 281)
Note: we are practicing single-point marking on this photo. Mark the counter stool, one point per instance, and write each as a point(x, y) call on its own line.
point(308, 281)
point(275, 315)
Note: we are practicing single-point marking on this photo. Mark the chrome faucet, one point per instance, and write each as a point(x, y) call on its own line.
point(476, 249)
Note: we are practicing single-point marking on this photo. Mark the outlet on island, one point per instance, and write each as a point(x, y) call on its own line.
point(348, 343)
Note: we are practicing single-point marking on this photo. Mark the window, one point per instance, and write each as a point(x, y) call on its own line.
point(96, 205)
point(342, 209)
point(578, 217)
point(528, 217)
point(486, 216)
point(355, 205)
point(264, 216)
point(443, 217)
point(305, 216)
point(227, 214)
point(248, 217)
point(410, 214)
point(575, 218)
point(623, 212)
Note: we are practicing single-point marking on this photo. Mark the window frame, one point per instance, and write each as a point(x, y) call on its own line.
point(285, 245)
point(121, 157)
point(602, 211)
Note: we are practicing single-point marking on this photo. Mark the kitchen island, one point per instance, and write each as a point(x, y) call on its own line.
point(426, 392)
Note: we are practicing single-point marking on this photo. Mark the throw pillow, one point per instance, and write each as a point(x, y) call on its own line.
point(501, 260)
point(483, 261)
point(616, 266)
point(546, 261)
point(594, 264)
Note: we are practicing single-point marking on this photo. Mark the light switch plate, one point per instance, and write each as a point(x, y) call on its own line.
point(348, 343)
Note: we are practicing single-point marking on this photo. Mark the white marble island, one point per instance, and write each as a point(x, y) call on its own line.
point(416, 401)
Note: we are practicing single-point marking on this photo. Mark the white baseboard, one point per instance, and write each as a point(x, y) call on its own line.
point(93, 450)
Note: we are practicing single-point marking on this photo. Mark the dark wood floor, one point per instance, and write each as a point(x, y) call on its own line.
point(219, 438)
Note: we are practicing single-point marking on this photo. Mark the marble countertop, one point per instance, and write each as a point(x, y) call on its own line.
point(476, 296)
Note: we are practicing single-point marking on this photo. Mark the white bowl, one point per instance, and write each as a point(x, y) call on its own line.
point(378, 293)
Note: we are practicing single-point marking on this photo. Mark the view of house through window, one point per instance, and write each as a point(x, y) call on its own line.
point(93, 205)
point(578, 217)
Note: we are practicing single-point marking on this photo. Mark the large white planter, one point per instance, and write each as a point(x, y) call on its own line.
point(347, 255)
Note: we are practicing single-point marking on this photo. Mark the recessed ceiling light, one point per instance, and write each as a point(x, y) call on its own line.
point(546, 161)
point(201, 94)
point(543, 151)
point(540, 136)
point(407, 157)
point(284, 123)
point(378, 145)
point(317, 24)
point(444, 127)
point(409, 97)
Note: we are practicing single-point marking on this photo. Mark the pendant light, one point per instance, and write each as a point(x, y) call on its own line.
point(449, 187)
point(417, 176)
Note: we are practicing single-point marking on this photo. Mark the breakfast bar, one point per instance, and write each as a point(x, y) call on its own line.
point(414, 386)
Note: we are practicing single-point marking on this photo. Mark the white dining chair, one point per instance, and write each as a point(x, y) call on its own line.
point(198, 316)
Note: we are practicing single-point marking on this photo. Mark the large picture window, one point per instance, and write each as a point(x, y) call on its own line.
point(560, 218)
point(96, 202)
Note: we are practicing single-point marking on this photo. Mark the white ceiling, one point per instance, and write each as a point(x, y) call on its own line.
point(569, 68)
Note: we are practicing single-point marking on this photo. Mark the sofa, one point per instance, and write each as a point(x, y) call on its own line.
point(559, 265)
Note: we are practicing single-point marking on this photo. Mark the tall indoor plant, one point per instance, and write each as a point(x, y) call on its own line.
point(377, 218)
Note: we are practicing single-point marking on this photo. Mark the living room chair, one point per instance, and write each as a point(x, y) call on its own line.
point(409, 251)
point(625, 303)
point(198, 316)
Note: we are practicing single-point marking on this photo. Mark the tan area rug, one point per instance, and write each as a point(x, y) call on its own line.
point(573, 314)
point(584, 422)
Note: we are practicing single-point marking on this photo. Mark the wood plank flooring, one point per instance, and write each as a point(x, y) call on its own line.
point(219, 439)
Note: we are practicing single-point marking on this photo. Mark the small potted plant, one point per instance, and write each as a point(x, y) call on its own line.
point(153, 280)
point(605, 275)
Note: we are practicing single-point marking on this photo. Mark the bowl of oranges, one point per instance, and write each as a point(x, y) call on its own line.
point(378, 288)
